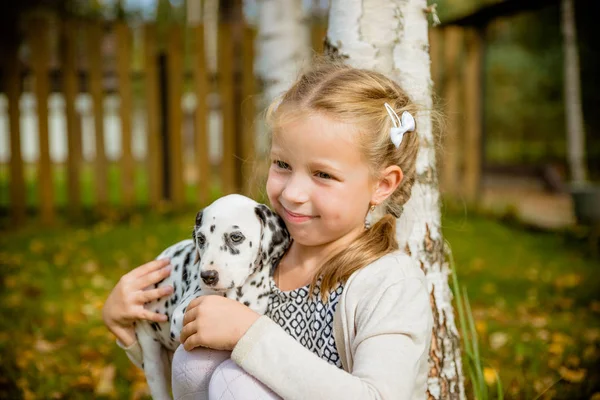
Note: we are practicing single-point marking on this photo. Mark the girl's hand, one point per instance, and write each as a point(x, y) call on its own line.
point(215, 322)
point(125, 304)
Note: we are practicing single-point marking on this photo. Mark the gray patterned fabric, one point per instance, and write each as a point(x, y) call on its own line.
point(307, 319)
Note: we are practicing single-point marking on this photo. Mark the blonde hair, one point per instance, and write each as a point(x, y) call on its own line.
point(357, 97)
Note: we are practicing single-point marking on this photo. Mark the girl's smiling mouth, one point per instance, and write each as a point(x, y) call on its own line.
point(294, 217)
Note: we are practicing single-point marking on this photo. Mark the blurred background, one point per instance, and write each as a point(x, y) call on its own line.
point(120, 119)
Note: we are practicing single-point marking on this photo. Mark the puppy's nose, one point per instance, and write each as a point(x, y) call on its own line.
point(210, 277)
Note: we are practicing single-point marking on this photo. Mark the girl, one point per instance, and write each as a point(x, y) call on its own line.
point(349, 315)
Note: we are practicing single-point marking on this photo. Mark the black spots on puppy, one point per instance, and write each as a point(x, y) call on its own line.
point(260, 213)
point(278, 238)
point(155, 326)
point(178, 252)
point(265, 294)
point(188, 257)
point(212, 228)
point(247, 303)
point(172, 335)
point(239, 293)
point(228, 245)
point(199, 218)
point(271, 225)
point(250, 244)
point(167, 304)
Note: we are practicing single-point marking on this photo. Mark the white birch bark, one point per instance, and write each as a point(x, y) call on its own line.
point(572, 85)
point(391, 36)
point(282, 48)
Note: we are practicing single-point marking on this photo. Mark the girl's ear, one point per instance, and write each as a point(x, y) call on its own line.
point(387, 184)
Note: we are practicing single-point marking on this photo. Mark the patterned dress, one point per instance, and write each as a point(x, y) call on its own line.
point(306, 319)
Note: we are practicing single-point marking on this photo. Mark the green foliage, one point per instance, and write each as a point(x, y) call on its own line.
point(472, 363)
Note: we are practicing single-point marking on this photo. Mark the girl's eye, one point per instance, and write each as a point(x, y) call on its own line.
point(281, 164)
point(324, 175)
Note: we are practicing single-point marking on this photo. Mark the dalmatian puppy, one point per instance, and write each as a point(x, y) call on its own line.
point(236, 243)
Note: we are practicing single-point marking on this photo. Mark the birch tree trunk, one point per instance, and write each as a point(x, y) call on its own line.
point(572, 85)
point(282, 46)
point(391, 36)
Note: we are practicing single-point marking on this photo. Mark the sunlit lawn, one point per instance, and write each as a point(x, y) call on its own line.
point(534, 295)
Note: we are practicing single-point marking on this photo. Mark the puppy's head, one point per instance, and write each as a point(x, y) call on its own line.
point(234, 237)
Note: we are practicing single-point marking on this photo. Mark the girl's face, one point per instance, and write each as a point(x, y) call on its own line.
point(318, 181)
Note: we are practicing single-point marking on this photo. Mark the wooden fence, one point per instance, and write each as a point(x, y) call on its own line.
point(456, 68)
point(81, 64)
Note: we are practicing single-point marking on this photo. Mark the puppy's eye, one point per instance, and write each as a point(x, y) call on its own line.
point(200, 239)
point(236, 237)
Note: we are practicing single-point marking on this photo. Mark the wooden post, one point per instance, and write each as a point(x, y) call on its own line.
point(248, 110)
point(123, 37)
point(94, 40)
point(201, 89)
point(12, 85)
point(318, 33)
point(435, 47)
point(40, 49)
point(473, 113)
point(450, 153)
point(70, 90)
point(175, 118)
point(226, 89)
point(155, 148)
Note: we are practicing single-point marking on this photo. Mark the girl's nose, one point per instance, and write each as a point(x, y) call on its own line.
point(295, 189)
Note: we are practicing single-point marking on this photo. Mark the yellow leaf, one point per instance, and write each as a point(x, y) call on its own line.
point(556, 348)
point(559, 337)
point(571, 375)
point(481, 327)
point(90, 267)
point(489, 374)
point(105, 382)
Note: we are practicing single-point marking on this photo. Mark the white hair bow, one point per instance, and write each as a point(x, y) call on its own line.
point(401, 126)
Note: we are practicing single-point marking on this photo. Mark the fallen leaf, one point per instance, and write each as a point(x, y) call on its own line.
point(572, 375)
point(489, 374)
point(105, 384)
point(498, 339)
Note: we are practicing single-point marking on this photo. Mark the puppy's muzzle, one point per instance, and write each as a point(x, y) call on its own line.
point(210, 277)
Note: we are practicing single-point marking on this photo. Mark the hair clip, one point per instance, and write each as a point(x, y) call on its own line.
point(401, 126)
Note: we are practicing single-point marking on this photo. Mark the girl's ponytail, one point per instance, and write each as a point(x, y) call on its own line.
point(373, 243)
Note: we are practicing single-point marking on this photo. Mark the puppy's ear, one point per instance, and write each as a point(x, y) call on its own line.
point(199, 218)
point(198, 224)
point(274, 236)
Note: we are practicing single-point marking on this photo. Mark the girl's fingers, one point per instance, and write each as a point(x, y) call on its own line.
point(153, 294)
point(152, 277)
point(152, 316)
point(194, 303)
point(190, 315)
point(187, 331)
point(149, 267)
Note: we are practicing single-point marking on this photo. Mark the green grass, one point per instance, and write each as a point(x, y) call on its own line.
point(88, 190)
point(534, 297)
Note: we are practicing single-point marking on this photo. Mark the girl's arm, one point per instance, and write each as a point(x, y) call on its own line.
point(389, 351)
point(125, 304)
